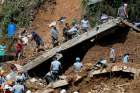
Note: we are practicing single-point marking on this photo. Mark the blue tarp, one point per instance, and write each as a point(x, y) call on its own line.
point(11, 29)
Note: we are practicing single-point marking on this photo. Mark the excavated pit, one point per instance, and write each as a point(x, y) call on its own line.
point(89, 52)
point(118, 35)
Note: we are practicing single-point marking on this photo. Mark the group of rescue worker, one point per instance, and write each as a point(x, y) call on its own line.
point(69, 31)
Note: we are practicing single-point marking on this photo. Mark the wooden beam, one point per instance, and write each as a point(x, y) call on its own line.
point(114, 69)
point(130, 25)
point(87, 35)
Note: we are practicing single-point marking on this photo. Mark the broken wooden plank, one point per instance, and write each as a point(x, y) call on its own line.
point(87, 35)
point(115, 68)
point(130, 25)
point(45, 91)
point(59, 83)
point(40, 59)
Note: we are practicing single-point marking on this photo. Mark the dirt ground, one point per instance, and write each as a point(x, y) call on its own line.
point(71, 9)
point(102, 84)
point(48, 13)
point(52, 10)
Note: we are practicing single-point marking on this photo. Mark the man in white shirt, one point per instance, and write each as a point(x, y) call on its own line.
point(77, 66)
point(19, 87)
point(85, 24)
point(125, 58)
point(55, 68)
point(102, 63)
point(104, 17)
point(112, 55)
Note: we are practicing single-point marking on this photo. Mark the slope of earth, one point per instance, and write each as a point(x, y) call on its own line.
point(101, 49)
point(131, 45)
point(52, 10)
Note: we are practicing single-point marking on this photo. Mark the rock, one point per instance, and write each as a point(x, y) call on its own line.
point(63, 77)
point(45, 91)
point(33, 80)
point(59, 83)
point(28, 91)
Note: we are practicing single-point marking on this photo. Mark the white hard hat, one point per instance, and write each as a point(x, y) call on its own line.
point(125, 4)
point(75, 92)
point(28, 91)
point(63, 91)
point(77, 59)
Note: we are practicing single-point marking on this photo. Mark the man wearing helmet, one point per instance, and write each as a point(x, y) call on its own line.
point(77, 65)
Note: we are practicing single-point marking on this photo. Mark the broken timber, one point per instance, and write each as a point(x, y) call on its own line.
point(73, 42)
point(130, 25)
point(116, 68)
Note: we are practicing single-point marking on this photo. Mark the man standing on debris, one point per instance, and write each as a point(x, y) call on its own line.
point(18, 87)
point(55, 68)
point(122, 11)
point(125, 58)
point(65, 31)
point(2, 51)
point(77, 66)
point(19, 49)
point(73, 31)
point(21, 76)
point(2, 79)
point(104, 17)
point(112, 55)
point(54, 35)
point(38, 40)
point(85, 24)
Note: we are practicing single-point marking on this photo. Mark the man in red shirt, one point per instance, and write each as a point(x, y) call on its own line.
point(19, 49)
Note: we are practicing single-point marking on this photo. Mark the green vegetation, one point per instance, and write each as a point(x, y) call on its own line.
point(20, 10)
point(111, 8)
